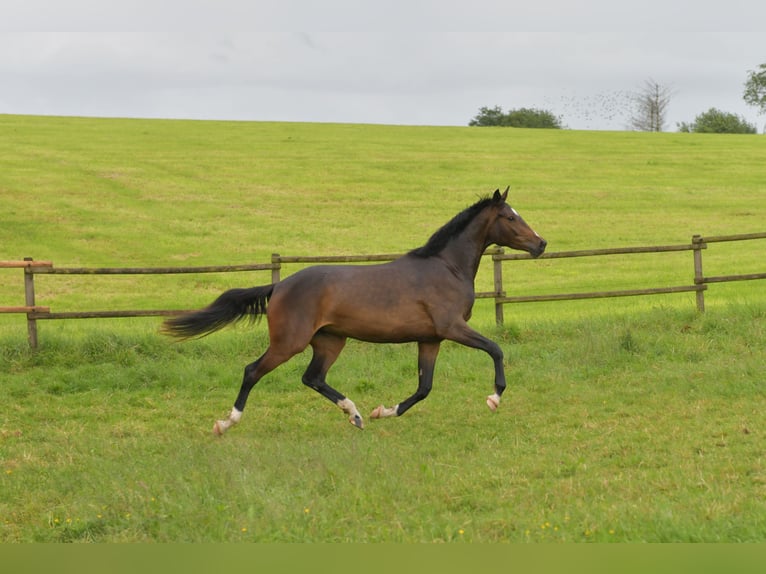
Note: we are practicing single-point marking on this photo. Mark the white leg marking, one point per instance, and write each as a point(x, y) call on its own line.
point(493, 401)
point(348, 407)
point(381, 412)
point(221, 427)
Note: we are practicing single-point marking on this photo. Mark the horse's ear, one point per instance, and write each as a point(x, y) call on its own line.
point(497, 198)
point(505, 193)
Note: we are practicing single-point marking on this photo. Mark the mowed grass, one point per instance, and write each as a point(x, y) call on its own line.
point(625, 420)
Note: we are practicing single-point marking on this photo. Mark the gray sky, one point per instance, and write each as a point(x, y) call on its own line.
point(394, 62)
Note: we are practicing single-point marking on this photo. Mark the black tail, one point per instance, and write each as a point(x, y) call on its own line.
point(232, 305)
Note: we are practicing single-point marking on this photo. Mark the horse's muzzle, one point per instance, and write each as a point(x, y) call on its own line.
point(538, 251)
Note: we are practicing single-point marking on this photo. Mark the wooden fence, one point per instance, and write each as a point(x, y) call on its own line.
point(699, 285)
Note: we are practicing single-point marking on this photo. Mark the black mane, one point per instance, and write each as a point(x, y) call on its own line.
point(453, 227)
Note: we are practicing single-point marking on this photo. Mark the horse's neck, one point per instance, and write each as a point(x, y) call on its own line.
point(463, 253)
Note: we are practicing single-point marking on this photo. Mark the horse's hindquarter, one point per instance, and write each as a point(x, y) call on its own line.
point(405, 300)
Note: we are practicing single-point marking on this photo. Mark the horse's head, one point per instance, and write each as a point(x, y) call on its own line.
point(509, 229)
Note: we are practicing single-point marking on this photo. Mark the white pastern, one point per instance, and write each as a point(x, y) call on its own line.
point(382, 412)
point(348, 407)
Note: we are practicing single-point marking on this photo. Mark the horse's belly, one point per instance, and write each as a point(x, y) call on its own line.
point(392, 325)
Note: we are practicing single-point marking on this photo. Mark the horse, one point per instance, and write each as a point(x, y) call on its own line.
point(425, 296)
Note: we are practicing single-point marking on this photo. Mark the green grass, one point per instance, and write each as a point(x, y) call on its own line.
point(609, 432)
point(625, 420)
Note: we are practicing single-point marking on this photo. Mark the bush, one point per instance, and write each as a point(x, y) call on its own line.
point(519, 118)
point(715, 121)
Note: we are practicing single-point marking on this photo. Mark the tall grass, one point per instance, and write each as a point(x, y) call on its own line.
point(625, 420)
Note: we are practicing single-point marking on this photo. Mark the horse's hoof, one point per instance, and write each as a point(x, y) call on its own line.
point(382, 412)
point(217, 429)
point(357, 421)
point(493, 401)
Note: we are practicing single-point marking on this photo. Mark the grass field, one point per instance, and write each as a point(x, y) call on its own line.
point(625, 420)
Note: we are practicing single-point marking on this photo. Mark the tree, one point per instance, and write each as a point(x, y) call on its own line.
point(532, 118)
point(755, 89)
point(488, 117)
point(715, 121)
point(519, 118)
point(651, 105)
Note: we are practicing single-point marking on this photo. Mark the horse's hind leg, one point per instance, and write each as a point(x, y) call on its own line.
point(254, 372)
point(326, 348)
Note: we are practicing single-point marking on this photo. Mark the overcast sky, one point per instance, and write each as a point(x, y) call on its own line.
point(421, 62)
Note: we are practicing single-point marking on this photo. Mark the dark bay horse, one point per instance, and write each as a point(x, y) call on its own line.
point(425, 296)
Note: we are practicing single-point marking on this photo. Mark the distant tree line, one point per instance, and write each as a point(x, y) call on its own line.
point(519, 118)
point(650, 106)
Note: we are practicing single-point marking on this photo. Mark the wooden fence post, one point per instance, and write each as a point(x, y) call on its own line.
point(699, 278)
point(277, 263)
point(497, 265)
point(29, 296)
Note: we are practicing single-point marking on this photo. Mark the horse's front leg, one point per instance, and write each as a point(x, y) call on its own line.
point(464, 335)
point(427, 353)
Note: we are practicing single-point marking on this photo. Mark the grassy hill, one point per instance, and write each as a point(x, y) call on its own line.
point(98, 192)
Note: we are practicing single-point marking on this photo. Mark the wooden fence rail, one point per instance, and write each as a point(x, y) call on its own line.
point(502, 299)
point(35, 312)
